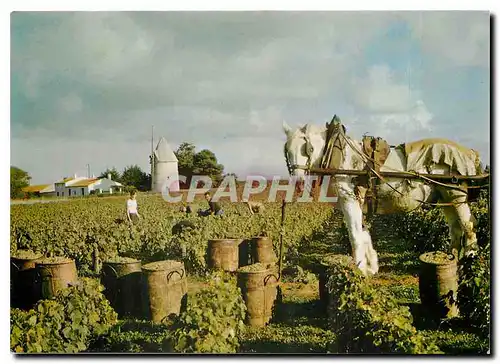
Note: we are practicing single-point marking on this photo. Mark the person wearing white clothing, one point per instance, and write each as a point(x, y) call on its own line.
point(132, 213)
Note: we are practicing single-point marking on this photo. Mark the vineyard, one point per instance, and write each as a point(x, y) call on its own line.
point(378, 314)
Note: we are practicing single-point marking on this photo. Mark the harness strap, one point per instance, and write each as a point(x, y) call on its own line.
point(365, 157)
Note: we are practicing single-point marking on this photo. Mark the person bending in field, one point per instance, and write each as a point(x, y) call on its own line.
point(186, 209)
point(132, 213)
point(214, 208)
point(254, 207)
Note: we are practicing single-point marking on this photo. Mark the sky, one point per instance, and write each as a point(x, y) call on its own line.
point(86, 88)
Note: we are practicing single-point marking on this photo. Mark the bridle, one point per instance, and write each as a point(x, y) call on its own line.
point(337, 143)
point(309, 151)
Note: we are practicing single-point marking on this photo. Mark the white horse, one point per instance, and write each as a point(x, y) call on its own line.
point(305, 147)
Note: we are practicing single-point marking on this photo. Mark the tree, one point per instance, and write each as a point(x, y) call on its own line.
point(134, 176)
point(205, 163)
point(185, 156)
point(115, 175)
point(18, 180)
point(231, 175)
point(201, 163)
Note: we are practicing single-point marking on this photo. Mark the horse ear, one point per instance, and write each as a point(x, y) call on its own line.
point(335, 119)
point(286, 128)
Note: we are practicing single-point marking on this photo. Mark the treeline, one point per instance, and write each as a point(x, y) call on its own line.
point(190, 163)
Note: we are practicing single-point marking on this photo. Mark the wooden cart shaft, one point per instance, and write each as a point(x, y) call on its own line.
point(407, 175)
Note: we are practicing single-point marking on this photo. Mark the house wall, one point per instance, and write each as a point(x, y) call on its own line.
point(109, 186)
point(76, 191)
point(59, 190)
point(69, 190)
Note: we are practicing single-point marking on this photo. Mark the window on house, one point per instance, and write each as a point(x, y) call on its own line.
point(57, 194)
point(83, 191)
point(69, 192)
point(62, 193)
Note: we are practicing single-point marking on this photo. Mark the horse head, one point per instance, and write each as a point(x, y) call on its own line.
point(303, 149)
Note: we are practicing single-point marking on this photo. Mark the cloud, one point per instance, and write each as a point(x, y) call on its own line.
point(458, 38)
point(390, 108)
point(71, 103)
point(227, 80)
point(379, 93)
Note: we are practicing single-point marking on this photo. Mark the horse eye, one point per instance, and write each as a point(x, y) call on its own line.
point(303, 150)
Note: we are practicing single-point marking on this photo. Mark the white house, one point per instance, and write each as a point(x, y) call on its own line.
point(81, 186)
point(85, 186)
point(107, 185)
point(165, 171)
point(60, 186)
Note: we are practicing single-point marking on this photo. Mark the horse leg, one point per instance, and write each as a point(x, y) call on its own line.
point(455, 230)
point(461, 223)
point(371, 255)
point(353, 218)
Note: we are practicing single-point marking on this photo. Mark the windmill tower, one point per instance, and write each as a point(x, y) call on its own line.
point(164, 168)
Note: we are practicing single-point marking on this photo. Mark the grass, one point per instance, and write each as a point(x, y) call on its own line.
point(298, 328)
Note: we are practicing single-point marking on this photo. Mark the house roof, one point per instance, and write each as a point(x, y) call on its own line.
point(164, 153)
point(67, 179)
point(35, 188)
point(85, 182)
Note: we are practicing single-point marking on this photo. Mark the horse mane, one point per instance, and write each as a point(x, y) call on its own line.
point(311, 129)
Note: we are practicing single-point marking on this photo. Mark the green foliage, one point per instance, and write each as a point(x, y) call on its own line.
point(202, 163)
point(280, 338)
point(475, 273)
point(212, 320)
point(185, 156)
point(115, 175)
point(296, 274)
point(458, 342)
point(134, 176)
point(364, 325)
point(134, 336)
point(205, 163)
point(366, 320)
point(234, 175)
point(481, 211)
point(424, 230)
point(88, 224)
point(18, 180)
point(65, 324)
point(474, 291)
